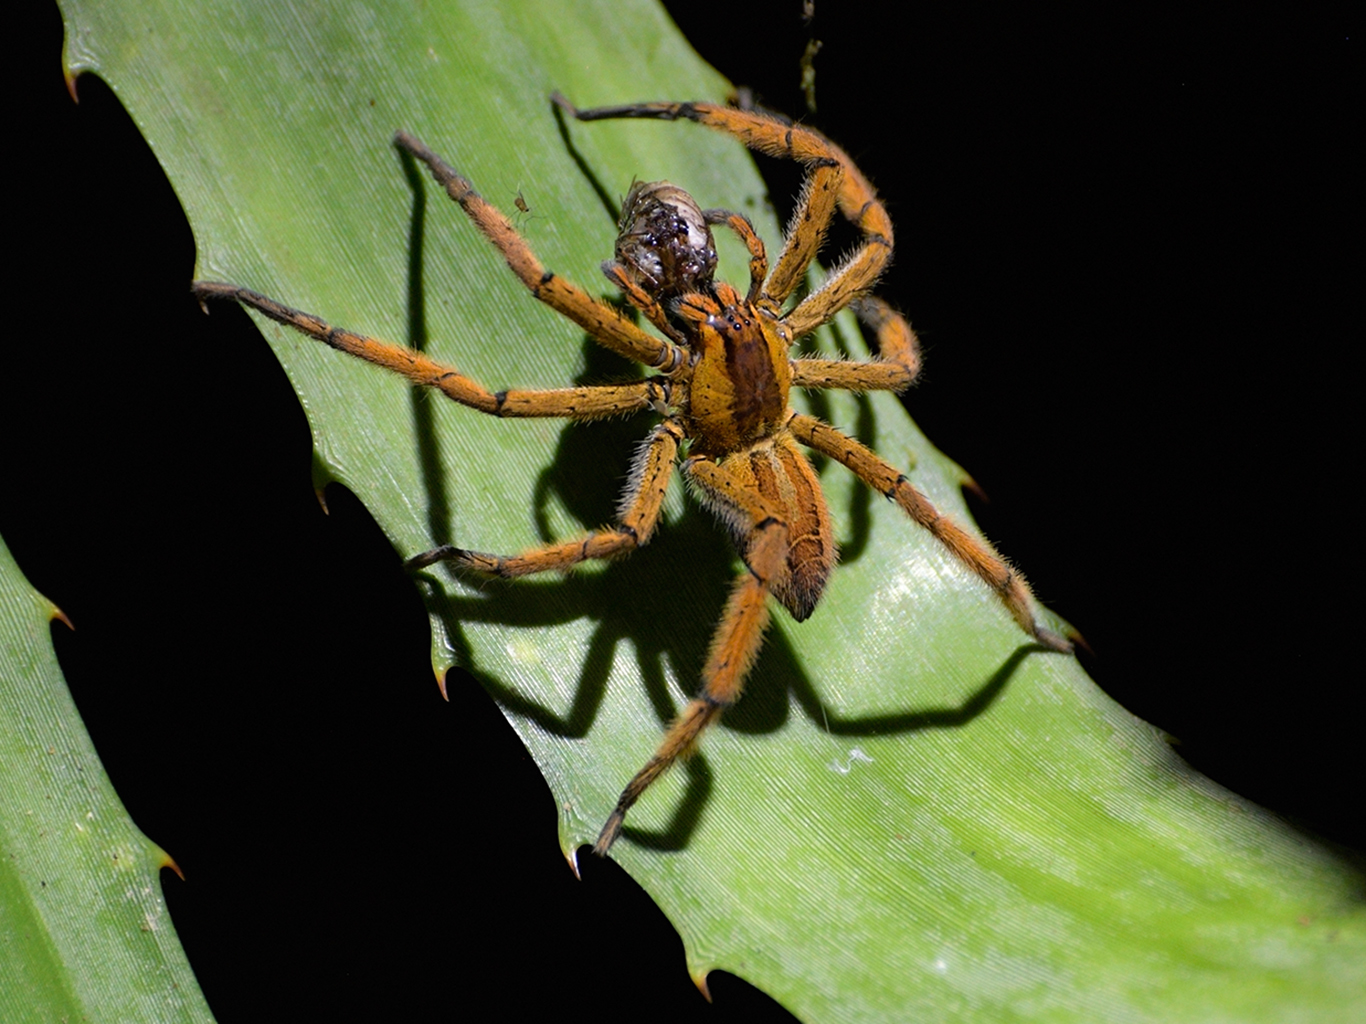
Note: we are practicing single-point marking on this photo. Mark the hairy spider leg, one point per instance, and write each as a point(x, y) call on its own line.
point(895, 370)
point(581, 403)
point(887, 480)
point(607, 326)
point(738, 637)
point(645, 302)
point(637, 516)
point(739, 225)
point(640, 503)
point(807, 228)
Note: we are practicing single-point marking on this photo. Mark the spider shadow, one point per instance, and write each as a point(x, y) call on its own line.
point(430, 462)
point(625, 603)
point(670, 623)
point(778, 680)
point(609, 204)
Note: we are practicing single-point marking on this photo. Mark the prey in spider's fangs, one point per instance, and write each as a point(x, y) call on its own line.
point(720, 380)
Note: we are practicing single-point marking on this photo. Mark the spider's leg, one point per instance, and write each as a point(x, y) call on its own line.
point(855, 196)
point(758, 255)
point(607, 326)
point(807, 228)
point(641, 299)
point(636, 521)
point(738, 637)
point(581, 403)
point(898, 348)
point(976, 555)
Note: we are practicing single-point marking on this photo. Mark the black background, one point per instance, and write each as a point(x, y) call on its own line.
point(1124, 235)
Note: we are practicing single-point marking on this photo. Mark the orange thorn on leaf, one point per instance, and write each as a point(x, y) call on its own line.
point(167, 861)
point(700, 980)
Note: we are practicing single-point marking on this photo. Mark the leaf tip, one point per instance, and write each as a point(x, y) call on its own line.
point(71, 84)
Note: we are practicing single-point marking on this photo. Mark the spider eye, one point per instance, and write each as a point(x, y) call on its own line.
point(664, 242)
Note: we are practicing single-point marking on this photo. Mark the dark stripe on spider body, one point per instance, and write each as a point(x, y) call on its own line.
point(741, 377)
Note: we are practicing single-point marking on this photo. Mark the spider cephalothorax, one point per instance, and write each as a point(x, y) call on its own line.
point(722, 378)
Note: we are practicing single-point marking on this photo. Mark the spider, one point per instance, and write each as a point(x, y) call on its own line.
point(720, 384)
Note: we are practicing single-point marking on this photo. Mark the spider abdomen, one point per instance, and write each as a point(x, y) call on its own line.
point(778, 470)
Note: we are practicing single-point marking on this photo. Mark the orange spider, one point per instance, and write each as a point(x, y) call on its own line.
point(720, 384)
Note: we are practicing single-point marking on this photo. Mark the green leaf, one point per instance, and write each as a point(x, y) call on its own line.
point(84, 933)
point(913, 814)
